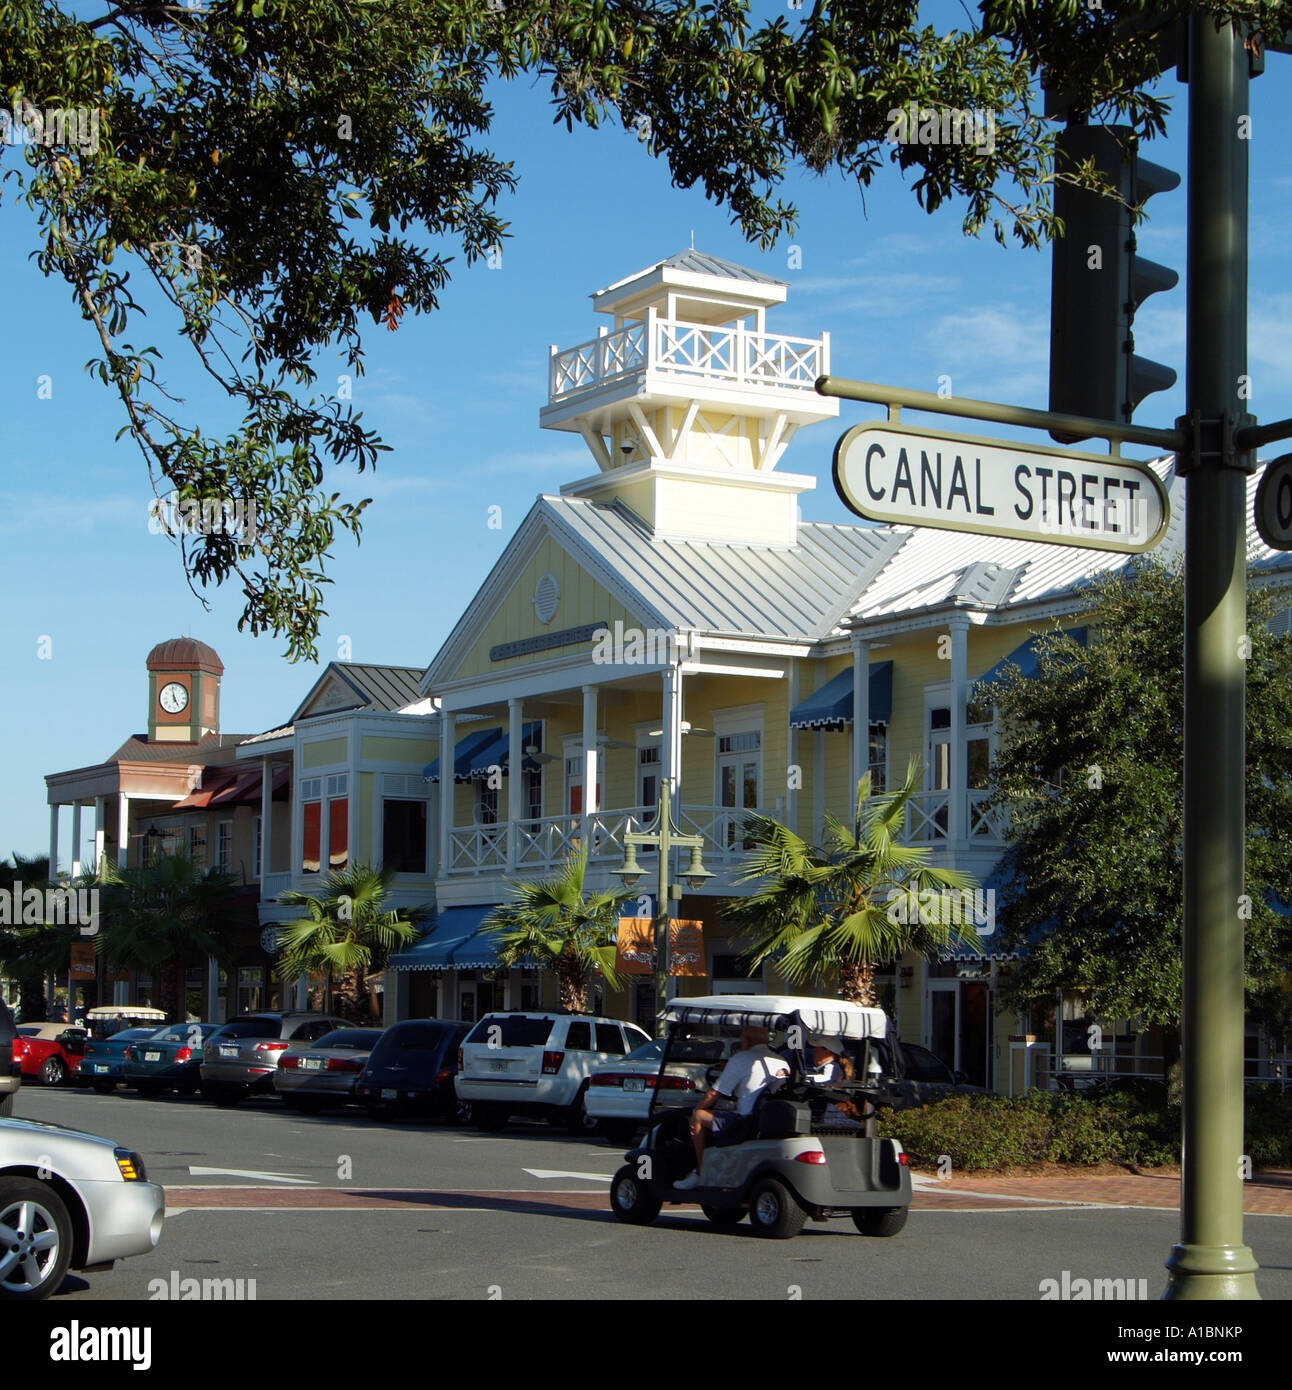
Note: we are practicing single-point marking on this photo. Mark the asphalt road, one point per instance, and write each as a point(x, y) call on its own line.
point(340, 1207)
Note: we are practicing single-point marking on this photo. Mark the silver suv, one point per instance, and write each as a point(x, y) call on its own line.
point(243, 1056)
point(538, 1064)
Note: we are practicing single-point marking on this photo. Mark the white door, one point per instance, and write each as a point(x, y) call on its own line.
point(739, 767)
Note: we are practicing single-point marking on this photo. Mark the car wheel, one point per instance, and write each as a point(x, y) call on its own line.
point(630, 1198)
point(185, 1088)
point(724, 1216)
point(53, 1072)
point(879, 1221)
point(619, 1131)
point(577, 1119)
point(490, 1117)
point(147, 1090)
point(461, 1112)
point(35, 1240)
point(773, 1212)
point(220, 1094)
point(105, 1088)
point(307, 1105)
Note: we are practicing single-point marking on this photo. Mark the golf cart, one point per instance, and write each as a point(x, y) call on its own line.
point(107, 1019)
point(813, 1149)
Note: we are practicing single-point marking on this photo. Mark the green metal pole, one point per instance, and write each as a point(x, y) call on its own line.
point(662, 904)
point(1211, 1260)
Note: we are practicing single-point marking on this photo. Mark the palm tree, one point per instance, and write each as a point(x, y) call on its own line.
point(346, 933)
point(27, 954)
point(551, 922)
point(840, 910)
point(161, 915)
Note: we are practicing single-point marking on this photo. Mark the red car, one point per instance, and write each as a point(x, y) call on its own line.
point(48, 1051)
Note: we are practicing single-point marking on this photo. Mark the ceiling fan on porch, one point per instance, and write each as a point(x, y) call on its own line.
point(687, 728)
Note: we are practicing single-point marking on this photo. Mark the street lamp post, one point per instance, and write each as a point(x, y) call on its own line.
point(664, 836)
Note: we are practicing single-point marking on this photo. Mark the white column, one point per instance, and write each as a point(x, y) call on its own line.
point(266, 820)
point(671, 742)
point(515, 778)
point(76, 840)
point(123, 830)
point(590, 800)
point(303, 994)
point(213, 1014)
point(448, 742)
point(356, 853)
point(100, 816)
point(53, 841)
point(860, 715)
point(818, 784)
point(792, 753)
point(958, 753)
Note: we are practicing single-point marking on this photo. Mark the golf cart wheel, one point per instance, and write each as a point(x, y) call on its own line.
point(490, 1116)
point(879, 1221)
point(35, 1240)
point(619, 1131)
point(724, 1216)
point(773, 1212)
point(630, 1198)
point(52, 1072)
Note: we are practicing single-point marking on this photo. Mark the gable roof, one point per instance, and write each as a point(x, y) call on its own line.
point(365, 686)
point(699, 263)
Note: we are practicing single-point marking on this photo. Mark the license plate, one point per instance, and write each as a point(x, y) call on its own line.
point(389, 1095)
point(634, 1083)
point(311, 1064)
point(152, 1056)
point(499, 1066)
point(228, 1052)
point(100, 1067)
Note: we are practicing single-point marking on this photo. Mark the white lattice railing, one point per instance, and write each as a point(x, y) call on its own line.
point(927, 815)
point(986, 822)
point(734, 355)
point(477, 849)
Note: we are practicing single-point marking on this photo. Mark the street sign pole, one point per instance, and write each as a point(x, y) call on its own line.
point(1211, 1260)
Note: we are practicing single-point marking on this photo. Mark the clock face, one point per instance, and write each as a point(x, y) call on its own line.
point(173, 697)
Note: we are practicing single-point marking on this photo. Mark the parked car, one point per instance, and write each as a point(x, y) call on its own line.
point(101, 1063)
point(619, 1092)
point(91, 1205)
point(240, 1060)
point(10, 1067)
point(312, 1075)
point(927, 1078)
point(788, 1166)
point(411, 1070)
point(168, 1059)
point(538, 1064)
point(48, 1051)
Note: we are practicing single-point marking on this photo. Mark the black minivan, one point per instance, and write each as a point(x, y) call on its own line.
point(411, 1069)
point(10, 1071)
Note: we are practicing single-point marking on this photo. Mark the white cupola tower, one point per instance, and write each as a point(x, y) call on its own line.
point(687, 403)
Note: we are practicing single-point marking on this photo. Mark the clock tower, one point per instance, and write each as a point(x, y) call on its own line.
point(183, 691)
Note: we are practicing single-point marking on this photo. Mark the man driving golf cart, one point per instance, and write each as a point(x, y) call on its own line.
point(782, 1155)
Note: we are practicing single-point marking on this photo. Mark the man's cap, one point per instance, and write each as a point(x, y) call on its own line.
point(828, 1040)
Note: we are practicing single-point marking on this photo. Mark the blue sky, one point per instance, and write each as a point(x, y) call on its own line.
point(905, 297)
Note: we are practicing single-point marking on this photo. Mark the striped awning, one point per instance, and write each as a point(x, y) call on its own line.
point(1024, 656)
point(831, 706)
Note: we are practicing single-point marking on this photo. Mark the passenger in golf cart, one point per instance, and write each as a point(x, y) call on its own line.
point(805, 1136)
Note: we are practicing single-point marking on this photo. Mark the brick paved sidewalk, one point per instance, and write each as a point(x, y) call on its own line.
point(1269, 1193)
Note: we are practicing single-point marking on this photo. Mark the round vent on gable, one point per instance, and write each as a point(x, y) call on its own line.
point(547, 595)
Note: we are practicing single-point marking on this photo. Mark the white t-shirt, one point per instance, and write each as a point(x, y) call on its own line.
point(749, 1072)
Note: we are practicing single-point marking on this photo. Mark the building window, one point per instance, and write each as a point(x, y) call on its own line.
point(223, 846)
point(533, 795)
point(648, 766)
point(486, 804)
point(256, 843)
point(338, 831)
point(197, 846)
point(403, 836)
point(878, 759)
point(312, 851)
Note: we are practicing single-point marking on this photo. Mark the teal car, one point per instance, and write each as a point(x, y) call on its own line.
point(101, 1064)
point(168, 1059)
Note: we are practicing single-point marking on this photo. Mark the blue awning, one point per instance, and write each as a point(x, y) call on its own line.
point(496, 752)
point(453, 942)
point(831, 706)
point(463, 754)
point(991, 949)
point(1024, 656)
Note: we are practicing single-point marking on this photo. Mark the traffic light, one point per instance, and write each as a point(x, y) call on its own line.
point(1099, 280)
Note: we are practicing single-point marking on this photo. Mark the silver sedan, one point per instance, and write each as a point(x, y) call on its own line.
point(69, 1200)
point(312, 1075)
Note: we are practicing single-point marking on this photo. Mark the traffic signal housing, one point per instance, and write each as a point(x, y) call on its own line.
point(1099, 281)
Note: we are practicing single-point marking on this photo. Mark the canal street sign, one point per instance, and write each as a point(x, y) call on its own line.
point(909, 475)
point(1274, 504)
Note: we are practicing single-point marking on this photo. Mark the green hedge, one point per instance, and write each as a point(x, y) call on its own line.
point(994, 1132)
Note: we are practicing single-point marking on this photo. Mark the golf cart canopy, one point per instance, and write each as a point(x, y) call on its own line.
point(835, 1017)
point(126, 1011)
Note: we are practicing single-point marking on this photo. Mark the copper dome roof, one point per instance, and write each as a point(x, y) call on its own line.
point(184, 654)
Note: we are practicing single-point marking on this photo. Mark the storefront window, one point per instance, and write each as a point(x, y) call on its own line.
point(338, 825)
point(313, 850)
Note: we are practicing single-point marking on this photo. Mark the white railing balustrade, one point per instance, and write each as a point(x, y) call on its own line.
point(927, 815)
point(734, 355)
point(273, 884)
point(986, 822)
point(477, 849)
